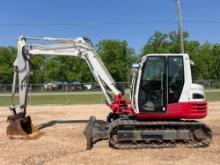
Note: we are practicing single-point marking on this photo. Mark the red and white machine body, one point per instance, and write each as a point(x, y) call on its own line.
point(166, 81)
point(162, 93)
point(161, 87)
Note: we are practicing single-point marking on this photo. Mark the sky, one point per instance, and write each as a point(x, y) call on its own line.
point(131, 20)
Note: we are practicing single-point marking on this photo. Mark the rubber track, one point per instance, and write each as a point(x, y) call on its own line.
point(192, 143)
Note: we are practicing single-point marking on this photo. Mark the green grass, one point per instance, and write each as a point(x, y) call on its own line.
point(79, 99)
point(213, 96)
point(57, 99)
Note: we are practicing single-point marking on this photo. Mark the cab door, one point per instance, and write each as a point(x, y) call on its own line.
point(175, 78)
point(152, 96)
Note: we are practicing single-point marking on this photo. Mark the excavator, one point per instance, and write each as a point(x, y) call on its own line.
point(161, 111)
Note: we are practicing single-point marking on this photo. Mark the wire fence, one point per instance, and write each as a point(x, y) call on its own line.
point(60, 87)
point(83, 93)
point(59, 93)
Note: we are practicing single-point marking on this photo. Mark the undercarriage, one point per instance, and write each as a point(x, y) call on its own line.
point(132, 134)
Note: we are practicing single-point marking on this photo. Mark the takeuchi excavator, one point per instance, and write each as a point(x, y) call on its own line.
point(160, 112)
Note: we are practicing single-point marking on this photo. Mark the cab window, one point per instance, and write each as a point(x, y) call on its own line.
point(175, 78)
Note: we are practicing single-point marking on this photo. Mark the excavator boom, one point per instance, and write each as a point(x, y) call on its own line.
point(19, 123)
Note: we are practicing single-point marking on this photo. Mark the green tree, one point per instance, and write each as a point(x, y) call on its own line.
point(52, 70)
point(174, 41)
point(205, 56)
point(76, 69)
point(7, 57)
point(202, 59)
point(38, 64)
point(117, 57)
point(216, 61)
point(158, 43)
point(66, 69)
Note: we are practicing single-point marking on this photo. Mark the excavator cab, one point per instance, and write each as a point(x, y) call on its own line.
point(161, 83)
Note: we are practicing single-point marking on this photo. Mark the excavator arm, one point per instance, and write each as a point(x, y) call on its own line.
point(20, 124)
point(77, 47)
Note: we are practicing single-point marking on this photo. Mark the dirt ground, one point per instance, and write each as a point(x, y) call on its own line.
point(63, 141)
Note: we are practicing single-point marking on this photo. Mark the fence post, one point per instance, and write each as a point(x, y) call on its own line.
point(66, 86)
point(30, 93)
point(102, 98)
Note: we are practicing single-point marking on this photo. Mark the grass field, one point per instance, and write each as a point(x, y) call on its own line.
point(82, 98)
point(57, 99)
point(213, 95)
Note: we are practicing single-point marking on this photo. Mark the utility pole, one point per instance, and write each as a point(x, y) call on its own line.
point(180, 26)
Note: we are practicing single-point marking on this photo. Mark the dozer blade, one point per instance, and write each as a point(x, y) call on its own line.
point(22, 128)
point(95, 131)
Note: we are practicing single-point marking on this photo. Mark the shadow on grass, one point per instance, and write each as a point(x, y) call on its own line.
point(54, 122)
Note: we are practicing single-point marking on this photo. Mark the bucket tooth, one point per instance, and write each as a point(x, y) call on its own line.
point(95, 130)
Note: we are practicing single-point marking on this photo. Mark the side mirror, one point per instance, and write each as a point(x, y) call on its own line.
point(191, 62)
point(134, 67)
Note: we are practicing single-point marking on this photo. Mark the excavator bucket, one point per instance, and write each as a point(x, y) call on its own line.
point(21, 128)
point(95, 131)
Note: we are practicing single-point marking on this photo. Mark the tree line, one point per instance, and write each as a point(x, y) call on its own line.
point(118, 58)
